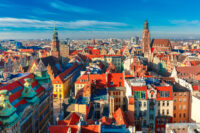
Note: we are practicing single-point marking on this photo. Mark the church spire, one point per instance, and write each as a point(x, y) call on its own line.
point(146, 25)
point(55, 34)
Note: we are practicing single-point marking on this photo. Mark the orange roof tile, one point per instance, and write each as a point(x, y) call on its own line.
point(119, 117)
point(90, 129)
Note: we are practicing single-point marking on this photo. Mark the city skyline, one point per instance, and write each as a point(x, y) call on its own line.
point(95, 19)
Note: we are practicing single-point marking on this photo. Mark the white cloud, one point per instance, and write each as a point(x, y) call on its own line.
point(70, 8)
point(185, 22)
point(35, 23)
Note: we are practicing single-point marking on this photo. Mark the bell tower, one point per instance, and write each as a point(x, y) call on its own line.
point(55, 47)
point(146, 40)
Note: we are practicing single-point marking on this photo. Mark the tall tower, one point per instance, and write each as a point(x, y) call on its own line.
point(64, 52)
point(146, 40)
point(55, 50)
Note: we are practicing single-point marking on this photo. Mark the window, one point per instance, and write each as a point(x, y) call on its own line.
point(184, 107)
point(167, 112)
point(184, 115)
point(167, 103)
point(185, 94)
point(144, 104)
point(144, 123)
point(180, 115)
point(164, 93)
point(174, 107)
point(174, 99)
point(120, 84)
point(144, 113)
point(180, 94)
point(140, 94)
point(151, 117)
point(158, 103)
point(179, 107)
point(184, 99)
point(158, 112)
point(174, 115)
point(111, 83)
point(163, 112)
point(179, 99)
point(163, 103)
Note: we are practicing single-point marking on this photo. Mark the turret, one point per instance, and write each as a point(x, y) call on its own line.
point(146, 25)
point(8, 113)
point(28, 93)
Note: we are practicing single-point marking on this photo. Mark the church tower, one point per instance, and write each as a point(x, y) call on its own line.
point(146, 40)
point(55, 50)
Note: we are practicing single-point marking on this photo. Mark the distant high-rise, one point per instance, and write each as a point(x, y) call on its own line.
point(55, 47)
point(146, 40)
point(135, 40)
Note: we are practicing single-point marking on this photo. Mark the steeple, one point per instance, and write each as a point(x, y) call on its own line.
point(146, 40)
point(55, 47)
point(55, 35)
point(146, 25)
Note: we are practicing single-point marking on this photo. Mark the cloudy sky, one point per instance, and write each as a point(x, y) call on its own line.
point(81, 19)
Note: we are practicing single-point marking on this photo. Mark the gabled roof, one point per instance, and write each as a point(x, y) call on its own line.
point(139, 88)
point(90, 129)
point(99, 79)
point(72, 119)
point(120, 117)
point(61, 77)
point(158, 42)
point(106, 121)
point(166, 89)
point(17, 87)
point(115, 80)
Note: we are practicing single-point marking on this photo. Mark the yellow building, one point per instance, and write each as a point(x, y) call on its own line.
point(63, 83)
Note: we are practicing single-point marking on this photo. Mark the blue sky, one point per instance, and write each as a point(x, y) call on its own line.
point(80, 19)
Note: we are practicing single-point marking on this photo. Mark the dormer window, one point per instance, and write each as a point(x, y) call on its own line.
point(111, 83)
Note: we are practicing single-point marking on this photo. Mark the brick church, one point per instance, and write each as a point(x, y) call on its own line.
point(60, 51)
point(155, 45)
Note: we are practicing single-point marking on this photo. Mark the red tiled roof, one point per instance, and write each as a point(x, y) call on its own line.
point(61, 77)
point(189, 69)
point(95, 52)
point(71, 120)
point(139, 88)
point(195, 63)
point(62, 129)
point(195, 88)
point(131, 100)
point(164, 88)
point(115, 80)
point(75, 52)
point(100, 80)
point(129, 76)
point(164, 42)
point(90, 129)
point(119, 117)
point(106, 121)
point(16, 89)
point(27, 50)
